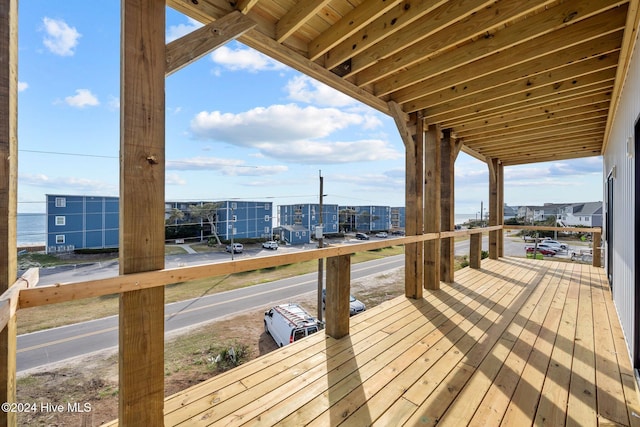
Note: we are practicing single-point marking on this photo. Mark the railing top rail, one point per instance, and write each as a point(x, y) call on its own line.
point(53, 294)
point(551, 228)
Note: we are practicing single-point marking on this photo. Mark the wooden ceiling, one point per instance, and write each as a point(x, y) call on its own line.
point(520, 81)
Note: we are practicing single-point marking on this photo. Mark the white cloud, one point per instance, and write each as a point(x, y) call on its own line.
point(22, 86)
point(70, 185)
point(305, 89)
point(244, 59)
point(60, 38)
point(174, 32)
point(292, 133)
point(174, 179)
point(82, 98)
point(229, 167)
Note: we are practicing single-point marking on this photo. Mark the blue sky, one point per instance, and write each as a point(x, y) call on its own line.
point(238, 125)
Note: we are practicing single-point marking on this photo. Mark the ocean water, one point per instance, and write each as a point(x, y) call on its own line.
point(31, 229)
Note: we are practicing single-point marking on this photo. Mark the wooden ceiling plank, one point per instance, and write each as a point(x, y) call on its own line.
point(297, 16)
point(560, 139)
point(505, 101)
point(593, 126)
point(488, 73)
point(193, 46)
point(245, 6)
point(585, 132)
point(511, 46)
point(538, 110)
point(461, 116)
point(548, 77)
point(548, 158)
point(459, 22)
point(551, 146)
point(385, 26)
point(354, 21)
point(537, 124)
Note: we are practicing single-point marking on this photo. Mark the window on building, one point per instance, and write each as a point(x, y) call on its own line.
point(266, 230)
point(267, 206)
point(267, 217)
point(234, 218)
point(234, 205)
point(61, 202)
point(60, 239)
point(60, 220)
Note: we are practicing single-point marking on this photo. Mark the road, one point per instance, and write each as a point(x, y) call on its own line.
point(58, 344)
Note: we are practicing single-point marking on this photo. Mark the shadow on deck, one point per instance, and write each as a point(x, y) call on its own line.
point(515, 343)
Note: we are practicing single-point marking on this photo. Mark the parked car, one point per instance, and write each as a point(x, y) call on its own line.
point(287, 323)
point(382, 235)
point(355, 305)
point(562, 246)
point(270, 245)
point(397, 233)
point(543, 251)
point(362, 236)
point(237, 248)
point(545, 245)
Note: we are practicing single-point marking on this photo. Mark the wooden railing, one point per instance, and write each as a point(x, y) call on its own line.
point(24, 292)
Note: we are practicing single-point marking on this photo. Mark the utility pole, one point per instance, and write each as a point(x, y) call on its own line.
point(320, 260)
point(233, 249)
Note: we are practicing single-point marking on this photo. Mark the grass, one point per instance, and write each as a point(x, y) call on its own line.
point(45, 317)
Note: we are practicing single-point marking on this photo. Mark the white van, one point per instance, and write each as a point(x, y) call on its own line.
point(287, 323)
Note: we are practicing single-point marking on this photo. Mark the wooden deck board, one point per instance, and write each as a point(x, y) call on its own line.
point(517, 342)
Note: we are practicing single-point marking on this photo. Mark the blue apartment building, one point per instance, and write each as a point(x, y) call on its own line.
point(245, 220)
point(367, 218)
point(78, 222)
point(398, 217)
point(298, 222)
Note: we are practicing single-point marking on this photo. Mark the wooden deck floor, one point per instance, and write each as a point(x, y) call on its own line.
point(516, 343)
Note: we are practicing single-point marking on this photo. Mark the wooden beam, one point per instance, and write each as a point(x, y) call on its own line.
point(11, 296)
point(337, 297)
point(195, 45)
point(142, 173)
point(8, 194)
point(399, 118)
point(297, 16)
point(353, 21)
point(432, 211)
point(533, 34)
point(595, 247)
point(245, 6)
point(475, 251)
point(447, 181)
point(500, 176)
point(414, 209)
point(440, 30)
point(386, 27)
point(493, 164)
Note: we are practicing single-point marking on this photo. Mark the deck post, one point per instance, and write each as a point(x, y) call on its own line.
point(432, 196)
point(337, 298)
point(8, 194)
point(412, 134)
point(142, 181)
point(493, 164)
point(500, 209)
point(475, 250)
point(595, 248)
point(447, 202)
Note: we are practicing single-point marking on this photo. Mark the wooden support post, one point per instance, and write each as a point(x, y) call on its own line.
point(337, 298)
point(8, 194)
point(475, 251)
point(595, 247)
point(142, 181)
point(432, 161)
point(447, 245)
point(414, 189)
point(500, 177)
point(493, 206)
